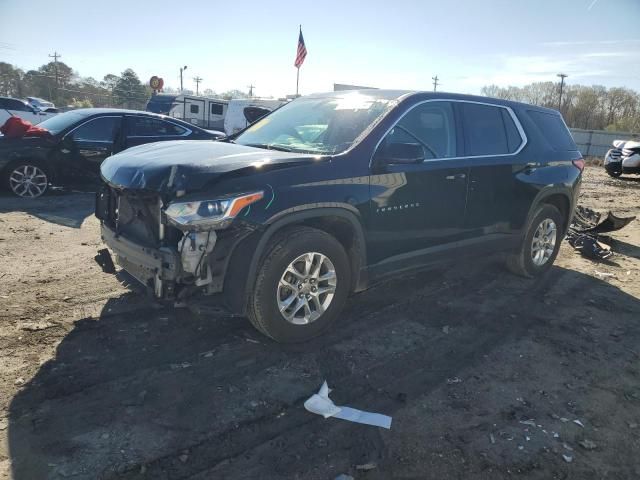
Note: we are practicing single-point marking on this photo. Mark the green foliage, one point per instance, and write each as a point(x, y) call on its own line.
point(129, 92)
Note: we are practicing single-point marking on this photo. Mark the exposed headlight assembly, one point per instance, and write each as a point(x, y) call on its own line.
point(214, 214)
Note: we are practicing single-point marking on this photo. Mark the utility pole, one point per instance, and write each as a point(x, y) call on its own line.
point(435, 82)
point(251, 87)
point(55, 57)
point(562, 77)
point(182, 70)
point(197, 80)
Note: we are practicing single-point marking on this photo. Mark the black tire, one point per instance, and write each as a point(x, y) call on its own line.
point(614, 173)
point(44, 176)
point(282, 250)
point(521, 262)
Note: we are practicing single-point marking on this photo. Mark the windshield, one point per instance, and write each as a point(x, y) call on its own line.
point(326, 125)
point(61, 121)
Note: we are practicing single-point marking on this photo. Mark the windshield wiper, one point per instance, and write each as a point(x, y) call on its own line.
point(270, 146)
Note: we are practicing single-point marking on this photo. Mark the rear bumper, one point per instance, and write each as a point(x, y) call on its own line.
point(156, 269)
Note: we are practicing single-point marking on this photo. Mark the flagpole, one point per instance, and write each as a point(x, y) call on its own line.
point(297, 80)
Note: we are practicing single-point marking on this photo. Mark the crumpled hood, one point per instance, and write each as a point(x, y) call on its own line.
point(188, 165)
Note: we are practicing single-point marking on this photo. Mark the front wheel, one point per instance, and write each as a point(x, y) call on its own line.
point(541, 243)
point(27, 179)
point(303, 282)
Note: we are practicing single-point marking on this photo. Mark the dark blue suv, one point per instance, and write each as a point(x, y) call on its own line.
point(334, 191)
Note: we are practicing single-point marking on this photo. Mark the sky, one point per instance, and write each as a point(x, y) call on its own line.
point(387, 44)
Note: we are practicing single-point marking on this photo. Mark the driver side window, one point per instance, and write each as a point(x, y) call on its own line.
point(429, 127)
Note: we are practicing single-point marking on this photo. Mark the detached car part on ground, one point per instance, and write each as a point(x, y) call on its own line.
point(623, 158)
point(333, 192)
point(67, 150)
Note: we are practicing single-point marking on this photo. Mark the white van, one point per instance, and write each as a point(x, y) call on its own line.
point(210, 113)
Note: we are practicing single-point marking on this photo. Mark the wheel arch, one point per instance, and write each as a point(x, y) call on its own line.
point(342, 222)
point(557, 197)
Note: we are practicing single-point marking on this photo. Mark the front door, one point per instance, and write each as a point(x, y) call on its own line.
point(83, 149)
point(418, 188)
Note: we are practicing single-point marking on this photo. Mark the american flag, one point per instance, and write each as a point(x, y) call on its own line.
point(302, 52)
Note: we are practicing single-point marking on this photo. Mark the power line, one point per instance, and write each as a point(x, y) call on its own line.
point(55, 57)
point(562, 77)
point(197, 80)
point(435, 82)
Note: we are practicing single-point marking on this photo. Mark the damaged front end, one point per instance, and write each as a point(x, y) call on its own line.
point(175, 248)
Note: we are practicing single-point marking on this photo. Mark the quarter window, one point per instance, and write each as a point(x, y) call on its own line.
point(194, 108)
point(489, 130)
point(153, 127)
point(102, 129)
point(431, 126)
point(217, 109)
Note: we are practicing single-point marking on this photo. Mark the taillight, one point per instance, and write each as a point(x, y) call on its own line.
point(579, 164)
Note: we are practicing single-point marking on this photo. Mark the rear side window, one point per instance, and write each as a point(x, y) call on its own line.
point(216, 109)
point(152, 127)
point(514, 140)
point(553, 130)
point(488, 131)
point(194, 108)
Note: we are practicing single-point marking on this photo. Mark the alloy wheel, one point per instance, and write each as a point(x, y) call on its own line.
point(306, 288)
point(544, 242)
point(28, 181)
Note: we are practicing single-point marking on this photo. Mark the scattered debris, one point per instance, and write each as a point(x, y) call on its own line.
point(366, 467)
point(567, 458)
point(454, 380)
point(578, 422)
point(583, 232)
point(19, 381)
point(632, 425)
point(445, 329)
point(520, 447)
point(587, 444)
point(36, 326)
point(183, 458)
point(567, 447)
point(320, 404)
point(528, 422)
point(492, 438)
point(343, 476)
point(604, 274)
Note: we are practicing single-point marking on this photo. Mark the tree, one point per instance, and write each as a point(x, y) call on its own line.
point(235, 93)
point(129, 91)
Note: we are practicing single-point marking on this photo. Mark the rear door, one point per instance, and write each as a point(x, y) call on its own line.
point(142, 129)
point(417, 205)
point(492, 139)
point(195, 111)
point(83, 149)
point(216, 112)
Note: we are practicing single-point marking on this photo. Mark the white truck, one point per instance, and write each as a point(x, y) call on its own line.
point(14, 107)
point(212, 113)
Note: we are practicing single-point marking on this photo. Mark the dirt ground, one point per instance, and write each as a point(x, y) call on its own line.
point(486, 375)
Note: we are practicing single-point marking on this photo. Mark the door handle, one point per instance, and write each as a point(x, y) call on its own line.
point(457, 176)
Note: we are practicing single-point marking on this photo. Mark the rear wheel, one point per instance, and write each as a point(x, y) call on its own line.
point(27, 179)
point(303, 282)
point(541, 243)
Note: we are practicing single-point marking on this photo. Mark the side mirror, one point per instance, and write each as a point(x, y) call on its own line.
point(400, 154)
